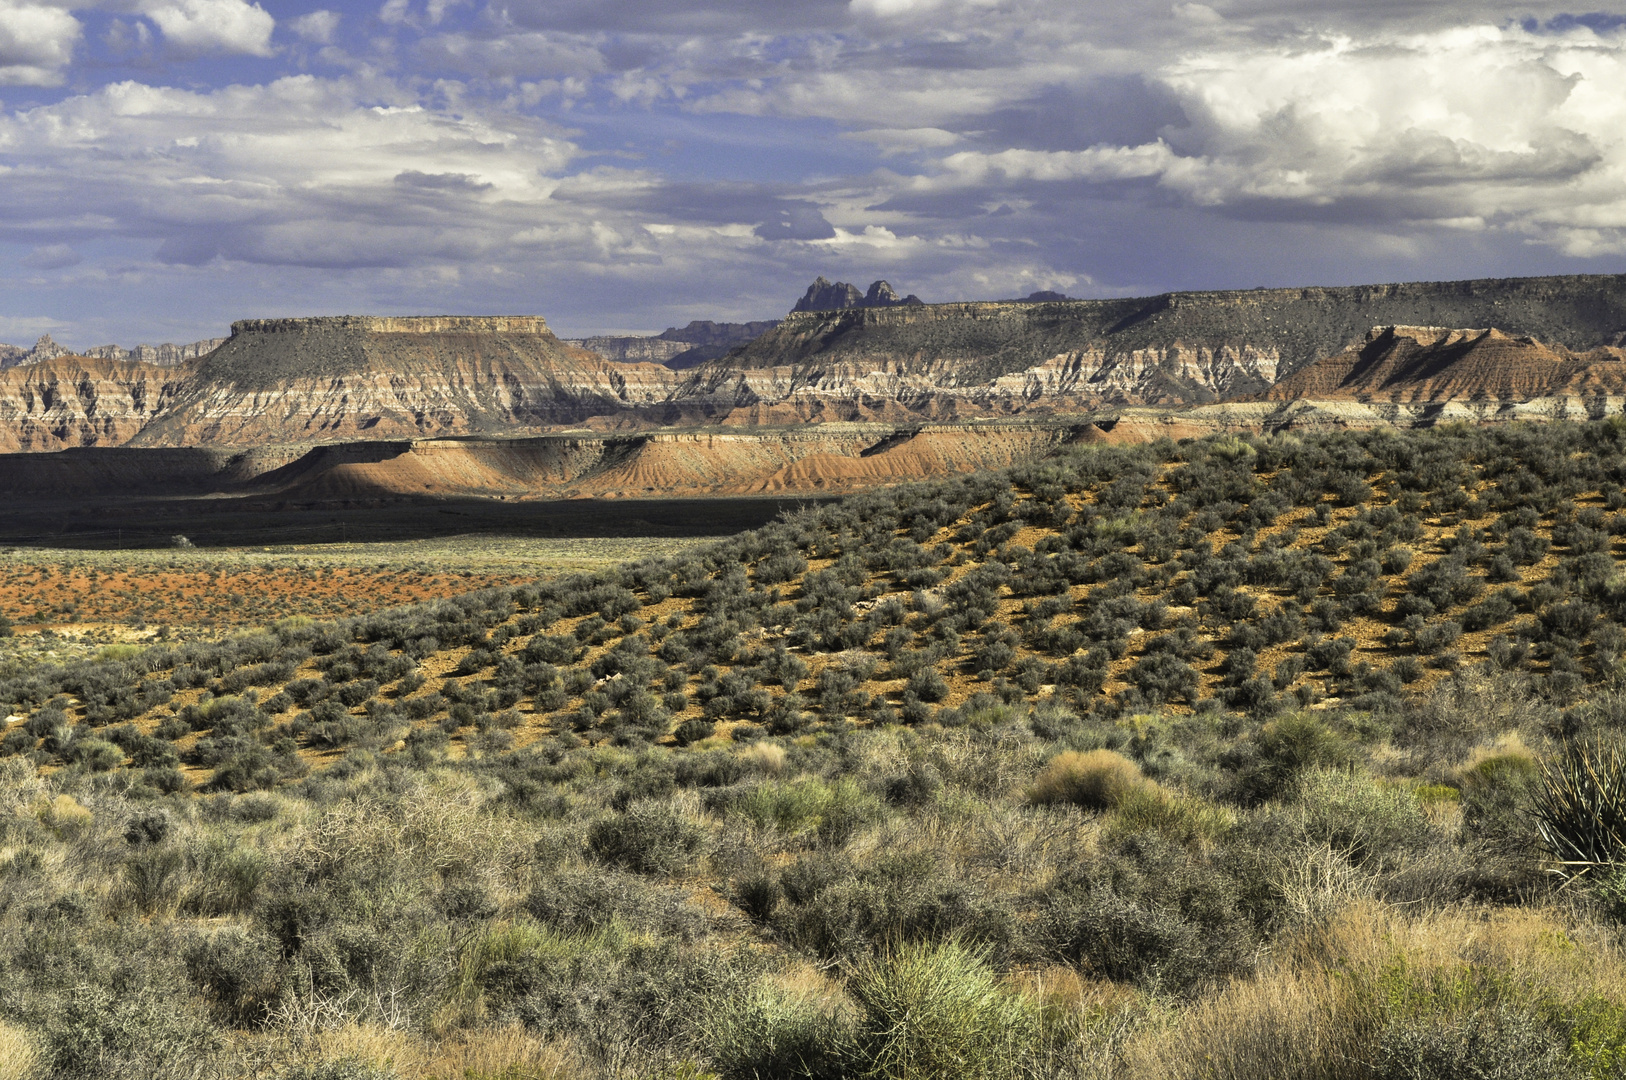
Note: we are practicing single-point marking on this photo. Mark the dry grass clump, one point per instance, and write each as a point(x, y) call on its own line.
point(1352, 997)
point(1489, 760)
point(21, 785)
point(1093, 779)
point(64, 816)
point(508, 1051)
point(17, 1055)
point(765, 758)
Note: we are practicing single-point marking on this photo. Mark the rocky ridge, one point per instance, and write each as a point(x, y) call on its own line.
point(676, 347)
point(158, 354)
point(826, 295)
point(166, 354)
point(1262, 358)
point(299, 380)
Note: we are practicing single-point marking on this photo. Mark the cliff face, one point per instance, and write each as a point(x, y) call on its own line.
point(1557, 340)
point(649, 350)
point(158, 354)
point(301, 380)
point(1297, 326)
point(77, 401)
point(963, 360)
point(1435, 364)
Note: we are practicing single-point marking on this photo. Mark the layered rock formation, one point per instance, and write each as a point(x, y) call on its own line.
point(43, 349)
point(1556, 350)
point(676, 347)
point(158, 354)
point(46, 349)
point(709, 340)
point(1433, 364)
point(826, 459)
point(630, 350)
point(79, 401)
point(303, 380)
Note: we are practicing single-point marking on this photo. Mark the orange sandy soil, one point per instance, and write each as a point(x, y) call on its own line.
point(59, 596)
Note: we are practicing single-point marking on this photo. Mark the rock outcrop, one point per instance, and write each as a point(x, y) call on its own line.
point(825, 295)
point(676, 347)
point(166, 354)
point(44, 349)
point(709, 340)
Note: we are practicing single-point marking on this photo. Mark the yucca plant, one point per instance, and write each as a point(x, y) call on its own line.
point(1580, 808)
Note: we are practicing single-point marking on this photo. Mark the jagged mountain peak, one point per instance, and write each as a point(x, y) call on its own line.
point(825, 295)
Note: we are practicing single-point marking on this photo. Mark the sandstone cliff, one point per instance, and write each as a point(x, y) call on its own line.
point(337, 379)
point(1436, 364)
point(303, 380)
point(648, 350)
point(158, 354)
point(78, 401)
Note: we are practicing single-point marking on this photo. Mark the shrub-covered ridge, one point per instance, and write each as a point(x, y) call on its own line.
point(1255, 576)
point(1148, 762)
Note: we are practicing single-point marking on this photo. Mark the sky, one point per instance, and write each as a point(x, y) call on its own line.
point(168, 166)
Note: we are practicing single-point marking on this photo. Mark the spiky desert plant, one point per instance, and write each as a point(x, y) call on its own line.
point(936, 1012)
point(1580, 808)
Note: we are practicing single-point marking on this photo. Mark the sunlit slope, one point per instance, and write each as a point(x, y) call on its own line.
point(1229, 575)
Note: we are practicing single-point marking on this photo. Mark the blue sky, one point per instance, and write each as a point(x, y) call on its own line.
point(167, 166)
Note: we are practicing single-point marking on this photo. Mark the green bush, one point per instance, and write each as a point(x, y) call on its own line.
point(767, 1033)
point(1495, 794)
point(1286, 747)
point(1149, 912)
point(1485, 1045)
point(692, 731)
point(650, 837)
point(938, 1012)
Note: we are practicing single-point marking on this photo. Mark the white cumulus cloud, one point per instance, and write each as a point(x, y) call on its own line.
point(227, 26)
point(36, 43)
point(318, 27)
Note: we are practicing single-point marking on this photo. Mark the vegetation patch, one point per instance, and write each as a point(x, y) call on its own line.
point(1243, 757)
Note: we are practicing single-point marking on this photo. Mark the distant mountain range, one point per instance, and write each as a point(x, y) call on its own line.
point(677, 347)
point(46, 349)
point(1409, 353)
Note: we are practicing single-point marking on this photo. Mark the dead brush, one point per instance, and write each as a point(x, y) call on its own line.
point(1579, 808)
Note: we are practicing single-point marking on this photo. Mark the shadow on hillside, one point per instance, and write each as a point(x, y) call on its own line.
point(147, 523)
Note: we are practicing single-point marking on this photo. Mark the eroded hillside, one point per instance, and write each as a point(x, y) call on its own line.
point(346, 378)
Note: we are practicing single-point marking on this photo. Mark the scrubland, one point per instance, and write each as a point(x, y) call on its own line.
point(1277, 756)
point(197, 591)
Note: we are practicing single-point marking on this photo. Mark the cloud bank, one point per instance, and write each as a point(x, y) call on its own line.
point(171, 164)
